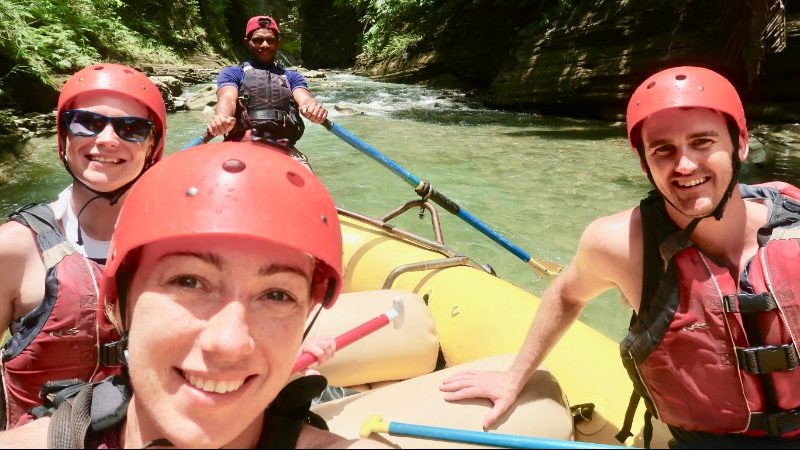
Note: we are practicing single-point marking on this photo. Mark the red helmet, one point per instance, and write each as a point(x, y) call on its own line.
point(683, 87)
point(238, 189)
point(116, 79)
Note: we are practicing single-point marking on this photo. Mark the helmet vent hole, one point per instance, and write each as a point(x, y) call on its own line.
point(295, 179)
point(128, 72)
point(650, 86)
point(680, 77)
point(99, 68)
point(233, 166)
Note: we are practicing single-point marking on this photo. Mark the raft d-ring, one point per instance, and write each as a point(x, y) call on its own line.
point(454, 311)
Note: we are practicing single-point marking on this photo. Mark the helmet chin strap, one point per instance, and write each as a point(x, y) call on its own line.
point(113, 197)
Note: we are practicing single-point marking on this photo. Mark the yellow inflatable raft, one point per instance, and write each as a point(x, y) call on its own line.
point(471, 315)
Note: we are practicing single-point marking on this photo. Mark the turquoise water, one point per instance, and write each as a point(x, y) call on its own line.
point(539, 181)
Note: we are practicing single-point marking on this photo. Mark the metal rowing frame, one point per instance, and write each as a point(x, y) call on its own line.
point(452, 259)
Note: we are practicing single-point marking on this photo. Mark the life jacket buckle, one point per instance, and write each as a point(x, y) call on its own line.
point(776, 424)
point(114, 353)
point(768, 358)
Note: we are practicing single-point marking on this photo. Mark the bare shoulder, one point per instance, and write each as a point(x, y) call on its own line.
point(16, 240)
point(312, 437)
point(22, 272)
point(609, 255)
point(613, 231)
point(30, 435)
point(18, 251)
point(614, 239)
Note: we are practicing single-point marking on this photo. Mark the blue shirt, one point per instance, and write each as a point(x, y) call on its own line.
point(234, 75)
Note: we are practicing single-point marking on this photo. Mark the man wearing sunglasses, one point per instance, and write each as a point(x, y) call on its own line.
point(111, 122)
point(260, 99)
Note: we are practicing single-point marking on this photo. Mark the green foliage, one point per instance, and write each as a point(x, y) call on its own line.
point(395, 27)
point(213, 14)
point(398, 28)
point(40, 37)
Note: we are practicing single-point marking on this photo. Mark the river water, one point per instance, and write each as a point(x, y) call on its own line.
point(537, 180)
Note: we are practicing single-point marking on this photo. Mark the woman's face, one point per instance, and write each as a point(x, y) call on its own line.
point(216, 325)
point(106, 162)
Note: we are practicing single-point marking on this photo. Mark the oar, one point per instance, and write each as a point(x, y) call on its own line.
point(199, 140)
point(343, 340)
point(375, 424)
point(426, 191)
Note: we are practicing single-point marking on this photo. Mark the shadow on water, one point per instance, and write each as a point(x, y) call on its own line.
point(548, 128)
point(588, 132)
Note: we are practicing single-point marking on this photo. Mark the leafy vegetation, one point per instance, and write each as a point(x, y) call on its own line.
point(43, 37)
point(395, 27)
point(398, 28)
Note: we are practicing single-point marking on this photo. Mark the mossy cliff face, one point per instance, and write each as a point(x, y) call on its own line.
point(572, 57)
point(589, 62)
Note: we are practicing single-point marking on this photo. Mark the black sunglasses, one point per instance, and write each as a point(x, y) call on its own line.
point(260, 40)
point(86, 123)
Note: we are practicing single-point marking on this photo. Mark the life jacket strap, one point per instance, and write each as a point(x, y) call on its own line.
point(749, 303)
point(266, 114)
point(768, 358)
point(775, 424)
point(627, 424)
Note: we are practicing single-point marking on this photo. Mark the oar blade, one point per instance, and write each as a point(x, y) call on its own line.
point(545, 268)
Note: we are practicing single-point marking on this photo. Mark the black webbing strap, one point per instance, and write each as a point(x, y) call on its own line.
point(625, 431)
point(647, 433)
point(775, 424)
point(290, 411)
point(768, 358)
point(749, 303)
point(266, 114)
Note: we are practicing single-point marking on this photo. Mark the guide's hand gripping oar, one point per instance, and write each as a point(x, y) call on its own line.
point(375, 424)
point(426, 191)
point(199, 140)
point(343, 340)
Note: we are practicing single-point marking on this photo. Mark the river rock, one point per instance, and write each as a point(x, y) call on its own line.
point(347, 110)
point(174, 85)
point(188, 74)
point(206, 96)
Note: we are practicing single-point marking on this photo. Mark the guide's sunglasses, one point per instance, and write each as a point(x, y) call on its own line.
point(260, 40)
point(86, 123)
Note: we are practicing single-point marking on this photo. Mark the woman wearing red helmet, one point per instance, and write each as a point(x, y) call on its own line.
point(111, 122)
point(220, 256)
point(710, 271)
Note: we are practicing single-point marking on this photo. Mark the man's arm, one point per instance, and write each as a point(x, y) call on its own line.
point(223, 119)
point(309, 108)
point(561, 304)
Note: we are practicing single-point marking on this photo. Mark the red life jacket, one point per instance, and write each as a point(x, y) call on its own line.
point(713, 354)
point(60, 339)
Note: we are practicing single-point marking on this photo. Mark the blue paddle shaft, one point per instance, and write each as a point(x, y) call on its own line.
point(435, 196)
point(199, 140)
point(373, 152)
point(484, 438)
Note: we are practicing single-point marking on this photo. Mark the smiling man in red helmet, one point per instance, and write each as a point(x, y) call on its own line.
point(111, 122)
point(710, 269)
